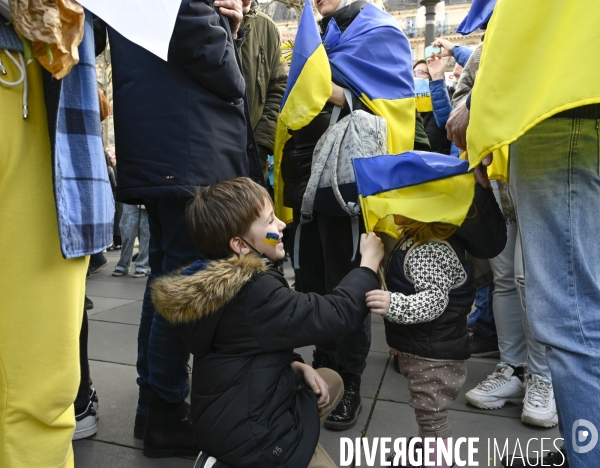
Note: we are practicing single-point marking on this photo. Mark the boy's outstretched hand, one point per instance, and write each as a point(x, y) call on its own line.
point(371, 250)
point(314, 381)
point(378, 301)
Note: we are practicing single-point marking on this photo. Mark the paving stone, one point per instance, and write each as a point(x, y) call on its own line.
point(100, 287)
point(93, 454)
point(395, 388)
point(112, 342)
point(398, 420)
point(117, 394)
point(330, 440)
point(129, 314)
point(378, 342)
point(102, 304)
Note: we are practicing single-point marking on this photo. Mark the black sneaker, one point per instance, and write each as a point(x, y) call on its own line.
point(89, 304)
point(95, 402)
point(95, 266)
point(552, 459)
point(481, 346)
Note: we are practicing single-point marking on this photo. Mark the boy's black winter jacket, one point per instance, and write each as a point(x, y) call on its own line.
point(241, 321)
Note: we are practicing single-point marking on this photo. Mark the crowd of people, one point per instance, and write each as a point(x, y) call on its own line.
point(512, 217)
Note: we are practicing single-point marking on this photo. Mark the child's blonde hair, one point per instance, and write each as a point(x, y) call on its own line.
point(424, 232)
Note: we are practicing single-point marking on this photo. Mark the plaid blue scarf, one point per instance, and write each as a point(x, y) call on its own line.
point(84, 199)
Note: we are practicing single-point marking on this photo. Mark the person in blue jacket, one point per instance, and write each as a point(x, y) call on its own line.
point(437, 63)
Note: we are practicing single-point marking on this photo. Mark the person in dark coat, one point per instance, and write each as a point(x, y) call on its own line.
point(326, 243)
point(254, 403)
point(179, 125)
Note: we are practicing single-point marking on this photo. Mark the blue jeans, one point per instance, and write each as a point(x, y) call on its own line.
point(162, 355)
point(484, 322)
point(555, 177)
point(134, 223)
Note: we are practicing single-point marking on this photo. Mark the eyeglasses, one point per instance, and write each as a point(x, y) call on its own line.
point(420, 72)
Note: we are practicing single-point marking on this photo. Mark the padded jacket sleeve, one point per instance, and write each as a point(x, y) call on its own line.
point(204, 45)
point(281, 318)
point(461, 55)
point(442, 107)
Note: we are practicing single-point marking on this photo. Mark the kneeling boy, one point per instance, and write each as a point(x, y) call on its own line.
point(254, 402)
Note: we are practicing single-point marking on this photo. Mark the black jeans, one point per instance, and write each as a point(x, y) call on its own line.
point(85, 383)
point(325, 258)
point(162, 355)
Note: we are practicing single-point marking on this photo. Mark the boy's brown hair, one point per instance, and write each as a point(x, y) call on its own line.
point(223, 211)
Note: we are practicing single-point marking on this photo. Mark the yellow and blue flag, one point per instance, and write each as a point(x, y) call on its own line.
point(372, 58)
point(426, 187)
point(423, 96)
point(542, 38)
point(308, 89)
point(479, 14)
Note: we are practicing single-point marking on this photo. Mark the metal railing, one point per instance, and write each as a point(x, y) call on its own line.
point(440, 30)
point(395, 5)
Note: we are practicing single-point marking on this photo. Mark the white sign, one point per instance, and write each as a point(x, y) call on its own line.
point(147, 23)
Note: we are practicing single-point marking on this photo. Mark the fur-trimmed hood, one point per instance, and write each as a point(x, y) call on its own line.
point(183, 299)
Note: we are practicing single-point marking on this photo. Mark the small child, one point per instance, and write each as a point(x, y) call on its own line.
point(431, 294)
point(254, 402)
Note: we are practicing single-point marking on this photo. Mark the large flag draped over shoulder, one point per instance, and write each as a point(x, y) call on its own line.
point(308, 89)
point(479, 14)
point(542, 40)
point(372, 58)
point(426, 187)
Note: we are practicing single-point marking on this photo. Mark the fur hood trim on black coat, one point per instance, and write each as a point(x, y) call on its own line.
point(182, 299)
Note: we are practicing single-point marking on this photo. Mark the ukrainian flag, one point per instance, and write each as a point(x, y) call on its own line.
point(373, 59)
point(426, 187)
point(543, 39)
point(308, 89)
point(479, 14)
point(423, 95)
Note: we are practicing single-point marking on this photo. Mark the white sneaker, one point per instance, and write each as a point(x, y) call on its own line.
point(205, 461)
point(86, 424)
point(498, 389)
point(539, 406)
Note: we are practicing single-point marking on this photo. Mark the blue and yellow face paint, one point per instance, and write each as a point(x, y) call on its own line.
point(272, 239)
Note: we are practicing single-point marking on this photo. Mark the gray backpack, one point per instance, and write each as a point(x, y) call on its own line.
point(331, 188)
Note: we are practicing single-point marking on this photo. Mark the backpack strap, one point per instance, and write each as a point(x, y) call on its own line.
point(352, 209)
point(337, 110)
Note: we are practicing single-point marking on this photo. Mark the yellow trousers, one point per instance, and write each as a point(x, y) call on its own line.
point(41, 293)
